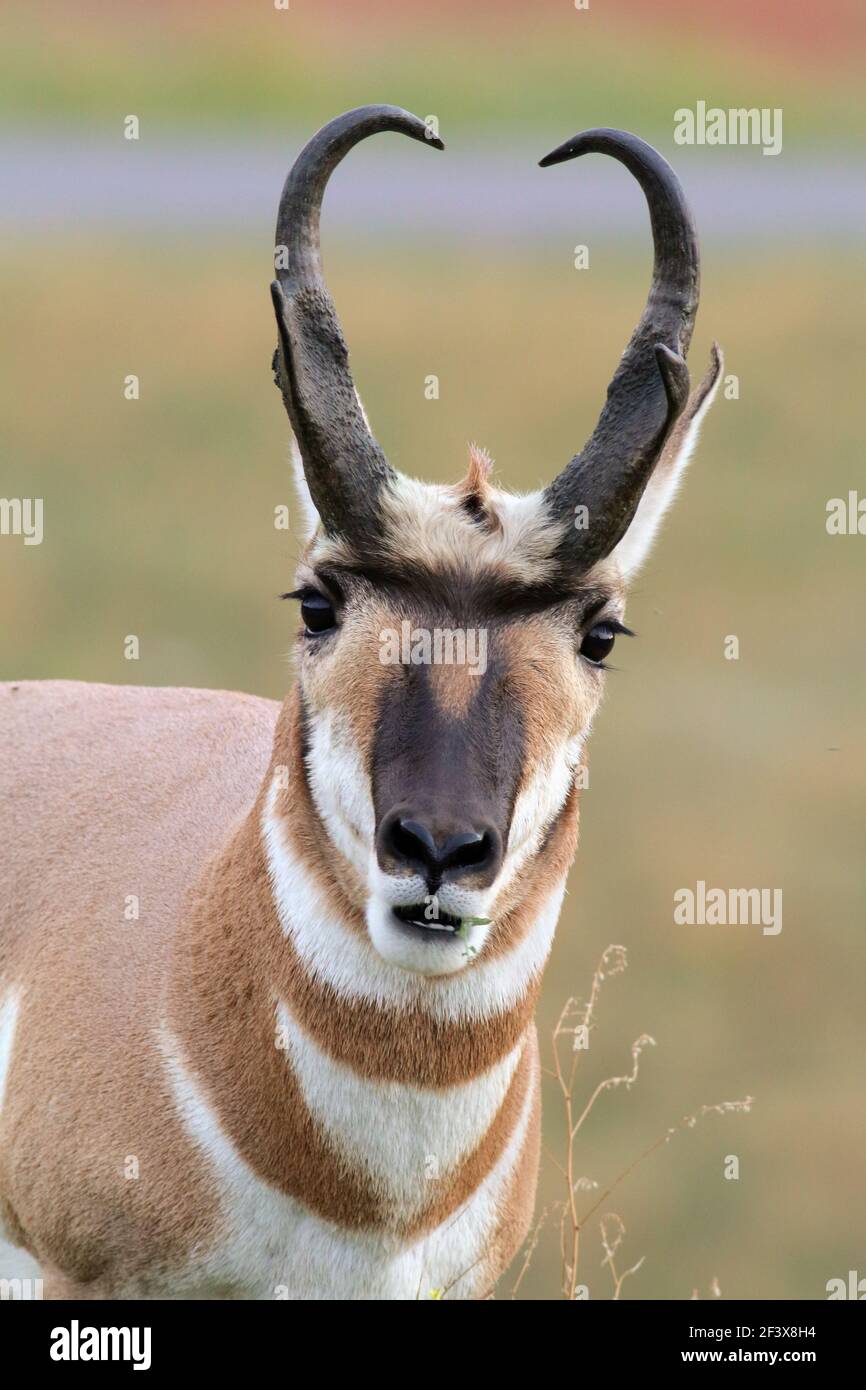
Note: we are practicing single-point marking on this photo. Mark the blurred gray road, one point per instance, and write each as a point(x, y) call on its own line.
point(390, 187)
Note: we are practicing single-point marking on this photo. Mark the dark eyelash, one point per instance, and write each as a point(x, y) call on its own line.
point(616, 627)
point(326, 589)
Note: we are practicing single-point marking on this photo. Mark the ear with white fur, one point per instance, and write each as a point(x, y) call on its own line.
point(311, 516)
point(662, 487)
point(308, 507)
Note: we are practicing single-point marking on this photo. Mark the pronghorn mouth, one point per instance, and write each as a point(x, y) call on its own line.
point(413, 916)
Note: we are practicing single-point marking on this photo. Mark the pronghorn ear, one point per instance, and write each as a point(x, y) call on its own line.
point(662, 487)
point(311, 516)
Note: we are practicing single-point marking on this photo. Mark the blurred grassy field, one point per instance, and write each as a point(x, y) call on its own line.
point(158, 521)
point(497, 65)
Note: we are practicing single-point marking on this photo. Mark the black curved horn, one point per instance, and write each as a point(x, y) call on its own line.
point(651, 383)
point(343, 464)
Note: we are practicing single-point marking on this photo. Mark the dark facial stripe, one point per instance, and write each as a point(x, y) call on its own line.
point(463, 595)
point(451, 769)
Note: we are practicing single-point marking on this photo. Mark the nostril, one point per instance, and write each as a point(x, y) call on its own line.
point(412, 840)
point(466, 850)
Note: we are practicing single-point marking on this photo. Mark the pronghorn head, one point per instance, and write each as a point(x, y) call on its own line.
point(454, 637)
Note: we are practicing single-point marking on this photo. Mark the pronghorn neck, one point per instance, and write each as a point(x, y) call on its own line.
point(340, 1079)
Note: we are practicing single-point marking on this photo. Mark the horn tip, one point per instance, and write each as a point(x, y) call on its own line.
point(585, 142)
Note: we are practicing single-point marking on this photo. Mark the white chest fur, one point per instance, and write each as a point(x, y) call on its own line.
point(271, 1247)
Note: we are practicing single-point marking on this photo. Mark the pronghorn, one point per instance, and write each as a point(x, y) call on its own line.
point(308, 1068)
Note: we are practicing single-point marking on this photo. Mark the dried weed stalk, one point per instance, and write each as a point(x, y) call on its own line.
point(572, 1032)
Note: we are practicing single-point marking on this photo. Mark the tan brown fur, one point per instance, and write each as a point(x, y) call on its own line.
point(221, 1009)
point(226, 961)
point(334, 875)
point(169, 796)
point(235, 961)
point(85, 1061)
point(518, 1202)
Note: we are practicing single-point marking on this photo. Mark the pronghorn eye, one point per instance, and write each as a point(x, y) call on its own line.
point(598, 642)
point(317, 612)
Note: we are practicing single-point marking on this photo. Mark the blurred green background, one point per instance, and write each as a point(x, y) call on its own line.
point(159, 512)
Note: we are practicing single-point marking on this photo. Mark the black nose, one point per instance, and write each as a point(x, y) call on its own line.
point(407, 841)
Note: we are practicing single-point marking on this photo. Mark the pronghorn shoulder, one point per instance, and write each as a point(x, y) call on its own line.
point(90, 728)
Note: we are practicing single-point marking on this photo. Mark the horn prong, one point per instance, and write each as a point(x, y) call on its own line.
point(651, 383)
